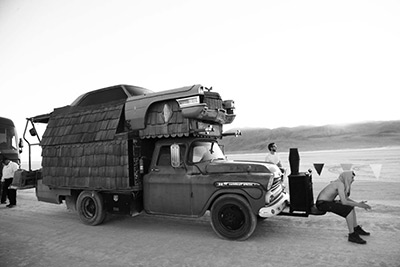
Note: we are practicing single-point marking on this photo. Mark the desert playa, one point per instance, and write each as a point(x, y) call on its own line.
point(42, 234)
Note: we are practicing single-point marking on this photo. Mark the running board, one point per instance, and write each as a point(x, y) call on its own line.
point(313, 211)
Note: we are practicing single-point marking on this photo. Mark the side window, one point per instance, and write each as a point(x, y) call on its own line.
point(205, 151)
point(103, 96)
point(164, 157)
point(198, 153)
point(7, 137)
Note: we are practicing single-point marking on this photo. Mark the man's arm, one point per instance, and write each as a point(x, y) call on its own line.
point(347, 201)
point(15, 167)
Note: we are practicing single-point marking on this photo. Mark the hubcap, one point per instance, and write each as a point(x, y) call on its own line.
point(231, 217)
point(89, 207)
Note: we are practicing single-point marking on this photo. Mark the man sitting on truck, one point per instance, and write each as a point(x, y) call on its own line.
point(272, 156)
point(344, 208)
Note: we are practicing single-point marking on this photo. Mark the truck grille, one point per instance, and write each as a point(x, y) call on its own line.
point(275, 192)
point(277, 182)
point(213, 100)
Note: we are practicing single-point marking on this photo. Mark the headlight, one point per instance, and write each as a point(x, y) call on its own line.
point(228, 104)
point(188, 101)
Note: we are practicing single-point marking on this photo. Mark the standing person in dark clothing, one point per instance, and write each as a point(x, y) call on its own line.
point(9, 168)
point(344, 207)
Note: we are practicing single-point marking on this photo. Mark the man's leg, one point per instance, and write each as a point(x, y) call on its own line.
point(11, 193)
point(5, 191)
point(353, 235)
point(350, 219)
point(358, 228)
point(355, 218)
point(12, 196)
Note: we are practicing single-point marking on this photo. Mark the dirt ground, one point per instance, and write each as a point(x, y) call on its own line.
point(41, 234)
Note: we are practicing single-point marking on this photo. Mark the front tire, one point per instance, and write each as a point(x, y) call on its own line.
point(232, 218)
point(90, 207)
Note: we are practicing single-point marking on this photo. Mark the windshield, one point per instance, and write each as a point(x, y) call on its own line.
point(206, 151)
point(109, 94)
point(8, 139)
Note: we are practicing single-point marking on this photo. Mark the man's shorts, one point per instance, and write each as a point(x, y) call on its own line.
point(334, 207)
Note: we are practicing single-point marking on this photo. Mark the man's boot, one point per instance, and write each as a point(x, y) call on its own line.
point(360, 231)
point(355, 238)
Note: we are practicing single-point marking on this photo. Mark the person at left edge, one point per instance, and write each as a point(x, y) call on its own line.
point(9, 168)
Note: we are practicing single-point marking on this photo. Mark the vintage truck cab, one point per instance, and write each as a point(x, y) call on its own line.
point(190, 176)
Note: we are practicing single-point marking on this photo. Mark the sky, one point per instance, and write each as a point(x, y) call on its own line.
point(284, 63)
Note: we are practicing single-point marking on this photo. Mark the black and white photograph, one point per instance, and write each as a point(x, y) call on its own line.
point(199, 133)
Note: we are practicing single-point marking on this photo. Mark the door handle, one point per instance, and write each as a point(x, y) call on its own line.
point(155, 170)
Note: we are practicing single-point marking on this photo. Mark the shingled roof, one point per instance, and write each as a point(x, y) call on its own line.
point(74, 125)
point(82, 149)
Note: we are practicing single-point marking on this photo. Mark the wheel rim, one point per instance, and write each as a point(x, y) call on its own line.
point(89, 207)
point(231, 217)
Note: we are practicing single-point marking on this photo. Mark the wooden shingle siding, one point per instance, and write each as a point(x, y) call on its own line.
point(81, 149)
point(102, 165)
point(75, 125)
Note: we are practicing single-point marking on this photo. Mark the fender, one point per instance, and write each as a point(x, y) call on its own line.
point(256, 204)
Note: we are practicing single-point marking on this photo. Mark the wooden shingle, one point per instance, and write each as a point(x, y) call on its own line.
point(102, 165)
point(80, 148)
point(74, 125)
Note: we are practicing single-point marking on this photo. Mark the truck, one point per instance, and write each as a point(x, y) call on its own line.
point(127, 150)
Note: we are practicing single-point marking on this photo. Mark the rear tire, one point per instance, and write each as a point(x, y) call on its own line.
point(232, 218)
point(90, 207)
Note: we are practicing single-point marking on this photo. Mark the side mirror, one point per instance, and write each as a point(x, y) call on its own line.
point(175, 156)
point(33, 132)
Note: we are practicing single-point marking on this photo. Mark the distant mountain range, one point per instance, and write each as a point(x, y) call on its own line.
point(311, 138)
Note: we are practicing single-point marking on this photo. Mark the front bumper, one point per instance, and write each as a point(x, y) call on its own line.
point(276, 207)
